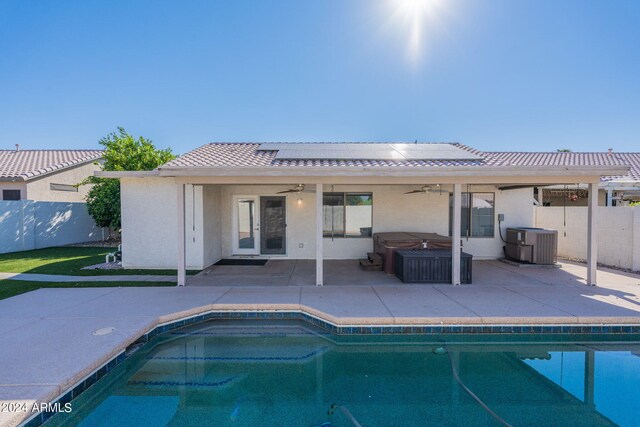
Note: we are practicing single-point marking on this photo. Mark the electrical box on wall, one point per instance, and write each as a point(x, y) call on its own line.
point(500, 217)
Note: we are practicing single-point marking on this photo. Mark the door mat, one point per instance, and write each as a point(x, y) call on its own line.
point(241, 261)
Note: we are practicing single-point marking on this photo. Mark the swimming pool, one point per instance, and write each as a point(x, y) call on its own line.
point(247, 373)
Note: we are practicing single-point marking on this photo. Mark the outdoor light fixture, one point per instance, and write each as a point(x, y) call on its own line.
point(299, 200)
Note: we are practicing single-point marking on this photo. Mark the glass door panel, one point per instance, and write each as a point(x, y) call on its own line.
point(273, 233)
point(247, 226)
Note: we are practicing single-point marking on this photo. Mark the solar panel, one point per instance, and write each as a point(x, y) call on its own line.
point(368, 151)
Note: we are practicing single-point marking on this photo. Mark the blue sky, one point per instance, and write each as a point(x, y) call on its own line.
point(496, 75)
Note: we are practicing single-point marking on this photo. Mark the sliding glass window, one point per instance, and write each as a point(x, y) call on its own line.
point(478, 215)
point(347, 214)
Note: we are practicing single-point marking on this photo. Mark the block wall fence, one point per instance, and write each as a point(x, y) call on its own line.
point(618, 233)
point(26, 225)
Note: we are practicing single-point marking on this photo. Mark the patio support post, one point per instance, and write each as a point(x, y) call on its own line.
point(182, 264)
point(609, 196)
point(455, 234)
point(592, 234)
point(319, 227)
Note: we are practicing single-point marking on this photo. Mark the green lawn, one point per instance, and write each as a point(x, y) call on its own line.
point(9, 288)
point(65, 260)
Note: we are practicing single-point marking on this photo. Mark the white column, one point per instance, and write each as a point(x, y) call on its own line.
point(182, 264)
point(540, 196)
point(319, 238)
point(592, 234)
point(635, 250)
point(609, 197)
point(455, 235)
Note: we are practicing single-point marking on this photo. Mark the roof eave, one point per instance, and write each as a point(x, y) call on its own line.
point(29, 177)
point(392, 171)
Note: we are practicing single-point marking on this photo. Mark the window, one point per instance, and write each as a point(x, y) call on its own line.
point(347, 214)
point(478, 215)
point(10, 194)
point(63, 187)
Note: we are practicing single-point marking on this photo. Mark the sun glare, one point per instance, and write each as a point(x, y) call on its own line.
point(413, 16)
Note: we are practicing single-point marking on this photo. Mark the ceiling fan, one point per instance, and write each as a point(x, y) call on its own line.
point(427, 189)
point(296, 189)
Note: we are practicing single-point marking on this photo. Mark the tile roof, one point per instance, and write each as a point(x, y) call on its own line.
point(27, 164)
point(576, 159)
point(516, 158)
point(248, 155)
point(633, 161)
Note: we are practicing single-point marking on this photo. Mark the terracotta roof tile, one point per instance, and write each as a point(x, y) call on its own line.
point(27, 164)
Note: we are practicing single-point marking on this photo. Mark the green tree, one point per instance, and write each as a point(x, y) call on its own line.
point(122, 152)
point(563, 150)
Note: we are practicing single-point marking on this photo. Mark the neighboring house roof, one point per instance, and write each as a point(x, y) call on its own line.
point(249, 154)
point(631, 159)
point(556, 158)
point(23, 165)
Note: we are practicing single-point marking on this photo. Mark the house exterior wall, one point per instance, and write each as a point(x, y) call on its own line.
point(22, 186)
point(517, 207)
point(392, 211)
point(618, 233)
point(149, 224)
point(40, 190)
point(212, 224)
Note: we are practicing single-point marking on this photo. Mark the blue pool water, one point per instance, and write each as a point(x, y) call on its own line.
point(227, 373)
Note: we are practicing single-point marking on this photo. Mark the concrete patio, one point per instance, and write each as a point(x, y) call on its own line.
point(291, 272)
point(49, 345)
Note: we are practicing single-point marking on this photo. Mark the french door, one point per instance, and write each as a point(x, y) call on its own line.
point(259, 225)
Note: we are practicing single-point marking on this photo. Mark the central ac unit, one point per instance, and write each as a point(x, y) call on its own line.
point(532, 245)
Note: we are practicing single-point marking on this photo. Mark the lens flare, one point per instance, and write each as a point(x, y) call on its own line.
point(414, 17)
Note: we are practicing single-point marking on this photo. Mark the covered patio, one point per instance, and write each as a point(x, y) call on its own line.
point(209, 204)
point(289, 270)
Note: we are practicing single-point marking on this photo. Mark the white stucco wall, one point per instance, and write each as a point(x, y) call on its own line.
point(517, 207)
point(150, 226)
point(618, 233)
point(212, 224)
point(392, 211)
point(22, 186)
point(40, 190)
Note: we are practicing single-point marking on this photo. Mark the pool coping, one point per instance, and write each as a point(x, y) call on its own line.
point(607, 326)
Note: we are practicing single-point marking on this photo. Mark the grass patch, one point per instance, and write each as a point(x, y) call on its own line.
point(10, 288)
point(66, 260)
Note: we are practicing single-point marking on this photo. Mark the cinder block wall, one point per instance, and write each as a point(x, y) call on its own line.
point(26, 225)
point(618, 233)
